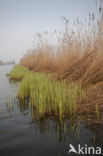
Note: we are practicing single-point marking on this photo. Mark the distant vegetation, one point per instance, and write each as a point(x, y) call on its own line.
point(10, 62)
point(77, 59)
point(1, 63)
point(5, 63)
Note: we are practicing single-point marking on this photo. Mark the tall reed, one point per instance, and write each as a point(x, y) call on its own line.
point(76, 57)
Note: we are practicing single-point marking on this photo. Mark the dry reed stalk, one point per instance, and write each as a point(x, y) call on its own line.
point(78, 56)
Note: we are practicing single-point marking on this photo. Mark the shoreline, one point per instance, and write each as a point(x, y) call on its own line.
point(31, 81)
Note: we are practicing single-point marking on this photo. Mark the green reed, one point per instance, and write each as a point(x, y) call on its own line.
point(47, 96)
point(97, 112)
point(50, 97)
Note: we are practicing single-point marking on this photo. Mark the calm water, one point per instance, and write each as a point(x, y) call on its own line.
point(20, 135)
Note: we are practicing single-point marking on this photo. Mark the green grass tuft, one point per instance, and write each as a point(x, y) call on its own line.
point(18, 72)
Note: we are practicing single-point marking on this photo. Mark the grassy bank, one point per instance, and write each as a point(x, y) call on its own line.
point(48, 96)
point(18, 73)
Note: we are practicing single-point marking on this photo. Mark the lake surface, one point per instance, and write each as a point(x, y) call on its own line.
point(20, 135)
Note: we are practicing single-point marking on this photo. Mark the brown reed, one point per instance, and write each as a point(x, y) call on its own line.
point(77, 56)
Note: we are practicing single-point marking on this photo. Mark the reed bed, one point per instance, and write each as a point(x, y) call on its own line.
point(50, 97)
point(76, 58)
point(77, 54)
point(46, 95)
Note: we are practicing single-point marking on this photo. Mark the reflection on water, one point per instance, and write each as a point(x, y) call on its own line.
point(21, 135)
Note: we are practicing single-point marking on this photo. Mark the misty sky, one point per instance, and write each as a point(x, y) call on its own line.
point(20, 19)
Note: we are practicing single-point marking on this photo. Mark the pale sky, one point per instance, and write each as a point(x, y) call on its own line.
point(20, 19)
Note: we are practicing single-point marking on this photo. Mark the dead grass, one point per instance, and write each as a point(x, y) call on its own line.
point(78, 56)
